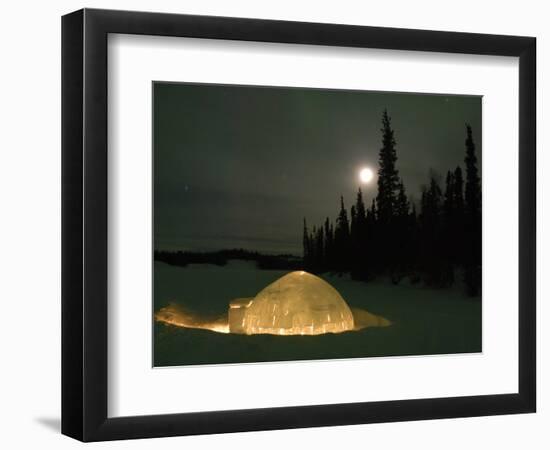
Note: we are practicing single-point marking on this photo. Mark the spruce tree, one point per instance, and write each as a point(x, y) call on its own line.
point(313, 249)
point(332, 247)
point(329, 245)
point(306, 246)
point(448, 230)
point(342, 224)
point(353, 226)
point(372, 241)
point(359, 240)
point(386, 199)
point(455, 219)
point(388, 176)
point(449, 196)
point(319, 250)
point(473, 188)
point(373, 210)
point(413, 241)
point(401, 202)
point(459, 190)
point(353, 250)
point(472, 217)
point(401, 236)
point(342, 238)
point(430, 234)
point(360, 209)
point(458, 232)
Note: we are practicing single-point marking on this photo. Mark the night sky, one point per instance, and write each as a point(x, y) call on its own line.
point(240, 167)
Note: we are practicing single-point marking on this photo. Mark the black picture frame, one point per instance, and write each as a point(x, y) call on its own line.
point(84, 224)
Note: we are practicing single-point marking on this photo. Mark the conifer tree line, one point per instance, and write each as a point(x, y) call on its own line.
point(438, 245)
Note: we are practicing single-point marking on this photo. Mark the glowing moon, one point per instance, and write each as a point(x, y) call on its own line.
point(366, 175)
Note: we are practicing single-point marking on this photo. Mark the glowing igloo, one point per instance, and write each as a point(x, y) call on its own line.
point(297, 303)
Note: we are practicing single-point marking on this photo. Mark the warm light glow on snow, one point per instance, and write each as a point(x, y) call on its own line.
point(298, 303)
point(172, 315)
point(366, 175)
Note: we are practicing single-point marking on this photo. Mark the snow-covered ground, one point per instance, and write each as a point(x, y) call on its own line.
point(424, 321)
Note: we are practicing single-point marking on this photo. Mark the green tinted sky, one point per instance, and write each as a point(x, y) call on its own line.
point(241, 166)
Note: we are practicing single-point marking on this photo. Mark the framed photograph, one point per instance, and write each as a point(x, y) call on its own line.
point(273, 224)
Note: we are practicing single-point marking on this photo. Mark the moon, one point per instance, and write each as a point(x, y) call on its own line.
point(366, 175)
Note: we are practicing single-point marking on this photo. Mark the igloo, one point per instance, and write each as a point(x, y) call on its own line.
point(297, 303)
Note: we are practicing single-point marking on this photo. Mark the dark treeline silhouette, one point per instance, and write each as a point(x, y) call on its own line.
point(221, 257)
point(390, 238)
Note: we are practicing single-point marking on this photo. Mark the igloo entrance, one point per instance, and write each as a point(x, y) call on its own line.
point(297, 303)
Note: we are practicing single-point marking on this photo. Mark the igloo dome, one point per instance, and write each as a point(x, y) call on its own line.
point(297, 303)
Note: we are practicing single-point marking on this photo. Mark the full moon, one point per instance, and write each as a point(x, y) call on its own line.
point(366, 175)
